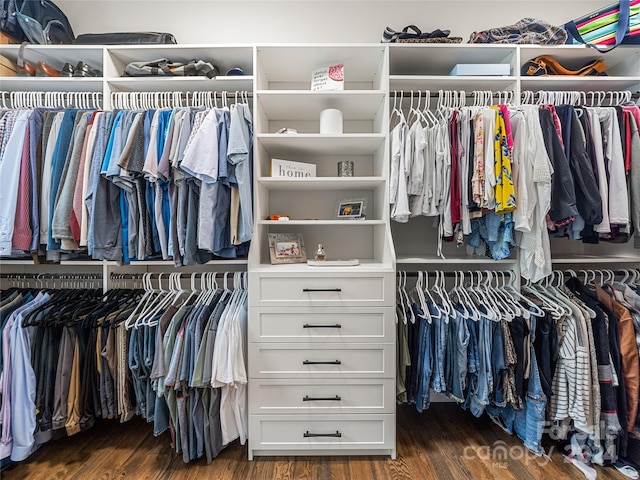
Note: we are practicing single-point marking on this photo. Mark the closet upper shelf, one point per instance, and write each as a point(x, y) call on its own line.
point(321, 183)
point(439, 60)
point(291, 66)
point(622, 61)
point(50, 84)
point(224, 57)
point(345, 144)
point(586, 84)
point(307, 105)
point(435, 82)
point(173, 84)
point(57, 55)
point(451, 261)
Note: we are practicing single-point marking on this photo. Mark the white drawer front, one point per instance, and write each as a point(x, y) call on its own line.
point(321, 431)
point(325, 290)
point(355, 360)
point(321, 396)
point(309, 324)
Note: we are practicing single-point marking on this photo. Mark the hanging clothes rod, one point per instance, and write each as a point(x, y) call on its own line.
point(571, 97)
point(156, 275)
point(42, 99)
point(456, 273)
point(435, 94)
point(175, 99)
point(51, 276)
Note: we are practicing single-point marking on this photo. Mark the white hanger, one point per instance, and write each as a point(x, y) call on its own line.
point(504, 310)
point(144, 301)
point(440, 290)
point(397, 98)
point(534, 309)
point(405, 302)
point(421, 298)
point(433, 302)
point(463, 301)
point(515, 308)
point(564, 298)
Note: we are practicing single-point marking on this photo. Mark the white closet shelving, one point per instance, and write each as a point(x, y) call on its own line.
point(345, 317)
point(426, 68)
point(321, 342)
point(112, 60)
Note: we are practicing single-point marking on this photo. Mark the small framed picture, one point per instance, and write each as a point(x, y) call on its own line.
point(352, 209)
point(287, 248)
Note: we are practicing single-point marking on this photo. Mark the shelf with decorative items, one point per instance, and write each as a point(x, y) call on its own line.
point(321, 184)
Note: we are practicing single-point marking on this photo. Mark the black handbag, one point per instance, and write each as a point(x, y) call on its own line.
point(125, 38)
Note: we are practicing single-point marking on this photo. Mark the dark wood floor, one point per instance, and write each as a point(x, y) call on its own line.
point(442, 443)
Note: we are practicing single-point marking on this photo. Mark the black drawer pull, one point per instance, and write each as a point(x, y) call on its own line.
point(335, 435)
point(334, 362)
point(321, 289)
point(308, 325)
point(307, 398)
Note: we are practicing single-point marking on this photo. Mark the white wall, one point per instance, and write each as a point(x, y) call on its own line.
point(309, 21)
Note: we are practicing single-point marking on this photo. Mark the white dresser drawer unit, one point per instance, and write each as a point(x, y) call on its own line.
point(296, 360)
point(323, 324)
point(362, 290)
point(321, 433)
point(322, 396)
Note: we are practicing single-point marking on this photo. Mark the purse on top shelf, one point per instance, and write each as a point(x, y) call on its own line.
point(125, 38)
point(547, 65)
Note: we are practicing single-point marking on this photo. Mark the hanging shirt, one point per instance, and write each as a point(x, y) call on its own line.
point(240, 154)
point(614, 161)
point(10, 162)
point(505, 193)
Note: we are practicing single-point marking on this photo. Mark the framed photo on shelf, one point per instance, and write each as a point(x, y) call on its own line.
point(286, 248)
point(352, 209)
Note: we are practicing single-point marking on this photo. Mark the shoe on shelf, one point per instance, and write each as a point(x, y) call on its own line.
point(26, 70)
point(46, 70)
point(67, 70)
point(84, 70)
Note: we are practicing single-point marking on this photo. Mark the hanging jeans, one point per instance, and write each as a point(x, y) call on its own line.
point(423, 395)
point(530, 421)
point(480, 398)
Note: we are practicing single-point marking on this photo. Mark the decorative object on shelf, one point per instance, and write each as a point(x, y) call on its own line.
point(287, 248)
point(331, 121)
point(525, 31)
point(328, 78)
point(412, 34)
point(352, 209)
point(320, 255)
point(290, 169)
point(547, 65)
point(345, 168)
point(605, 29)
point(125, 38)
point(481, 69)
point(279, 218)
point(164, 67)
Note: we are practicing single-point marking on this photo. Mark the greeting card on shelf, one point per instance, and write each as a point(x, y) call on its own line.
point(328, 78)
point(289, 169)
